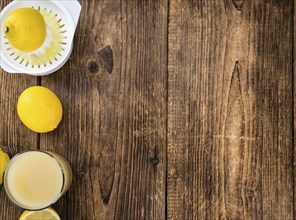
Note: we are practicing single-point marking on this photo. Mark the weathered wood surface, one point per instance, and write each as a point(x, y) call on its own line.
point(230, 110)
point(191, 119)
point(114, 127)
point(294, 97)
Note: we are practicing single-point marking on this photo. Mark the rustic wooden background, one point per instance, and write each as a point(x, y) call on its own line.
point(195, 120)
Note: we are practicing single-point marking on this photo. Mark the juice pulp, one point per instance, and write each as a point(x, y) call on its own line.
point(34, 179)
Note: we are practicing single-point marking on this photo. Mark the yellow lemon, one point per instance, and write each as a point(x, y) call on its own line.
point(4, 159)
point(25, 29)
point(39, 109)
point(44, 214)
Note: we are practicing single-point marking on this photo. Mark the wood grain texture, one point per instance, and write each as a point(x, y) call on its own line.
point(229, 110)
point(294, 107)
point(114, 127)
point(14, 136)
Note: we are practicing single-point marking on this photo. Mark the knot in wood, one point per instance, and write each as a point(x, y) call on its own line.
point(154, 161)
point(94, 66)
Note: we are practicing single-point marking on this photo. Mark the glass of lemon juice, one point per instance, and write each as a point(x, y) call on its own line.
point(34, 180)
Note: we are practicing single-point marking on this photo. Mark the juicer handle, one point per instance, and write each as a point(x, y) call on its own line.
point(74, 8)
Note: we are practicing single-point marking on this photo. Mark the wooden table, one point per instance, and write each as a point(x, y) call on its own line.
point(194, 121)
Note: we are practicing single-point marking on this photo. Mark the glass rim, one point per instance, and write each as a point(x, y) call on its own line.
point(6, 188)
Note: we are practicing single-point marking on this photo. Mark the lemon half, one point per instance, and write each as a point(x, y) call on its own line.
point(25, 29)
point(4, 159)
point(48, 213)
point(39, 109)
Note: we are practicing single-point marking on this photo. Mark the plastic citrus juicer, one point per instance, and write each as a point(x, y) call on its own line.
point(61, 18)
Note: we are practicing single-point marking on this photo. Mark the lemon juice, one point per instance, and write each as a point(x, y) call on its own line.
point(35, 179)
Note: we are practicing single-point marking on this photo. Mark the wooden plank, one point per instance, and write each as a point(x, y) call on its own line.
point(229, 110)
point(113, 130)
point(294, 96)
point(14, 136)
point(276, 60)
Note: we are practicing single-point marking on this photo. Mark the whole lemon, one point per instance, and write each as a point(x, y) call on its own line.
point(25, 29)
point(4, 159)
point(39, 109)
